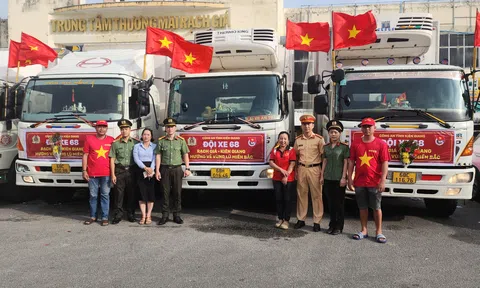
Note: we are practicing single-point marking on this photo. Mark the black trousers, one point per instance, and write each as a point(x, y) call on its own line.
point(172, 186)
point(283, 194)
point(336, 203)
point(124, 192)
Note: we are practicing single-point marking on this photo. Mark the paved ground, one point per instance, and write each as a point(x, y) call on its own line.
point(228, 240)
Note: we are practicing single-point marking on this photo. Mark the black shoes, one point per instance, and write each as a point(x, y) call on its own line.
point(163, 220)
point(299, 224)
point(330, 230)
point(336, 232)
point(177, 220)
point(316, 227)
point(116, 221)
point(131, 218)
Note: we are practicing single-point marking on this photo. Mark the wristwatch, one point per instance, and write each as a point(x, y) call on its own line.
point(187, 169)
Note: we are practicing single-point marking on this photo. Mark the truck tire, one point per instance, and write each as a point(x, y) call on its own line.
point(476, 187)
point(13, 193)
point(441, 207)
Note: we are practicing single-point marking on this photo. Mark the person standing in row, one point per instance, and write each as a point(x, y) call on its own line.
point(334, 176)
point(171, 151)
point(144, 157)
point(309, 149)
point(121, 169)
point(95, 170)
point(282, 159)
point(370, 157)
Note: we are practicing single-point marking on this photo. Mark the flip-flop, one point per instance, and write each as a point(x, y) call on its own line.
point(89, 221)
point(381, 238)
point(359, 236)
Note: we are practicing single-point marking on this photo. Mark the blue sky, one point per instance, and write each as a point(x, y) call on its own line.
point(287, 3)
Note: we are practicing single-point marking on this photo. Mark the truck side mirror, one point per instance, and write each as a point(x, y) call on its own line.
point(338, 75)
point(8, 124)
point(139, 122)
point(320, 104)
point(314, 84)
point(297, 91)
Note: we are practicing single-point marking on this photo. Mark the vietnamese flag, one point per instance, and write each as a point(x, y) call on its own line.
point(349, 31)
point(310, 37)
point(13, 54)
point(160, 42)
point(34, 51)
point(192, 58)
point(477, 31)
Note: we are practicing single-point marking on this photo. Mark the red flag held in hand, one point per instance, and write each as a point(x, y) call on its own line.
point(349, 31)
point(34, 51)
point(160, 42)
point(308, 36)
point(191, 58)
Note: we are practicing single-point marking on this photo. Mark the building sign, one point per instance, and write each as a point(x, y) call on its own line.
point(436, 148)
point(232, 148)
point(140, 23)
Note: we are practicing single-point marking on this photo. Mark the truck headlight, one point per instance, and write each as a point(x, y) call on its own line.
point(21, 168)
point(267, 173)
point(461, 178)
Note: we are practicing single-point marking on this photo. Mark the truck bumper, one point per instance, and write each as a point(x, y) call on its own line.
point(243, 177)
point(431, 183)
point(38, 173)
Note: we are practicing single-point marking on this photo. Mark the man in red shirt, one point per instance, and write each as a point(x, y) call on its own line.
point(96, 170)
point(370, 158)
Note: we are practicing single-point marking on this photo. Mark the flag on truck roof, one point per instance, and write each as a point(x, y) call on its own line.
point(349, 31)
point(160, 42)
point(13, 54)
point(192, 58)
point(34, 51)
point(477, 31)
point(310, 37)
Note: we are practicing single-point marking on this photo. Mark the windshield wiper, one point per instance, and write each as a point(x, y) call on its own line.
point(60, 117)
point(424, 114)
point(214, 120)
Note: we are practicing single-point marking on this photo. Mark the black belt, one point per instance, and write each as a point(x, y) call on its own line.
point(121, 167)
point(310, 165)
point(170, 166)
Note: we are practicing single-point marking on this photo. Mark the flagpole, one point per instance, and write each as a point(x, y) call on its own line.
point(475, 64)
point(333, 44)
point(18, 71)
point(145, 66)
point(6, 94)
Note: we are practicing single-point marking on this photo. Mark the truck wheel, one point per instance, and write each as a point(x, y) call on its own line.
point(13, 193)
point(441, 207)
point(476, 188)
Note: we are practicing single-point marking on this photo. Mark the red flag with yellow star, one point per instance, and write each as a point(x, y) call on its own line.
point(192, 58)
point(34, 51)
point(349, 31)
point(310, 37)
point(160, 42)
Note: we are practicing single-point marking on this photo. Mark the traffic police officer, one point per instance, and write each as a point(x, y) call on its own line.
point(122, 173)
point(170, 152)
point(309, 148)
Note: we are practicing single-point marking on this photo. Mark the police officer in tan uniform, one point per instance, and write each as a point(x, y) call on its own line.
point(309, 148)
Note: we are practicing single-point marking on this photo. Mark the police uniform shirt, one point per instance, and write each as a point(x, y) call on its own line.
point(335, 157)
point(122, 151)
point(309, 150)
point(171, 151)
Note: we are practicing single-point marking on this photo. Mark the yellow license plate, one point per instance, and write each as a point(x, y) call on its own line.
point(404, 177)
point(61, 168)
point(220, 172)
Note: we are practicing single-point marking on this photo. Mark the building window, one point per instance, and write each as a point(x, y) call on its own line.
point(457, 48)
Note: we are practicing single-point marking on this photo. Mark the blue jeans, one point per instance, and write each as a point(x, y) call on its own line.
point(104, 184)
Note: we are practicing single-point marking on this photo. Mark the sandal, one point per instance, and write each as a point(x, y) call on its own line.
point(148, 220)
point(381, 238)
point(104, 222)
point(142, 221)
point(359, 236)
point(90, 221)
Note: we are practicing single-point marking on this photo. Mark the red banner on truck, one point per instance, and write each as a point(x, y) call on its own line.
point(38, 145)
point(234, 148)
point(435, 147)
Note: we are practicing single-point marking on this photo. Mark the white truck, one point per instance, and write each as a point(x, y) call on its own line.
point(68, 98)
point(230, 117)
point(398, 82)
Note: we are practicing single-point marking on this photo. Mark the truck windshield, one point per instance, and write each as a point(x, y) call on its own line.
point(372, 94)
point(254, 98)
point(97, 99)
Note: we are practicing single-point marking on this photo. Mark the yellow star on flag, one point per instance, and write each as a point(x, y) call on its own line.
point(306, 40)
point(165, 42)
point(365, 159)
point(190, 59)
point(101, 152)
point(33, 48)
point(353, 32)
point(28, 61)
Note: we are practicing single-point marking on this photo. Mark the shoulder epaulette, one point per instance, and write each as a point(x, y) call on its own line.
point(299, 136)
point(116, 140)
point(161, 138)
point(179, 137)
point(318, 135)
point(344, 143)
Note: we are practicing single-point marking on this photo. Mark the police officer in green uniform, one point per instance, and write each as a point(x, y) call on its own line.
point(171, 151)
point(122, 173)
